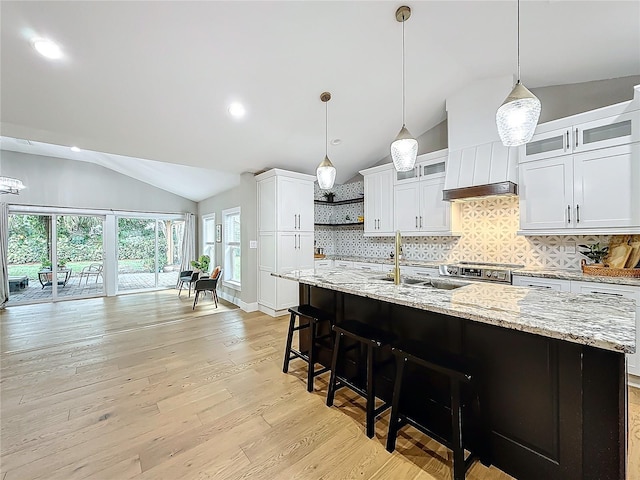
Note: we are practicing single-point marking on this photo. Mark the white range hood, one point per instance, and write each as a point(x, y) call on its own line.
point(479, 165)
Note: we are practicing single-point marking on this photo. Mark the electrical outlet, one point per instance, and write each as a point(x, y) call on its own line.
point(570, 247)
point(253, 244)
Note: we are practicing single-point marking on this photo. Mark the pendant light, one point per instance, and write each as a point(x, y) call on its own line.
point(10, 185)
point(404, 148)
point(518, 115)
point(326, 172)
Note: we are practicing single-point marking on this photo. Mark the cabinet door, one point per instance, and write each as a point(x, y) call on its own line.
point(304, 252)
point(606, 187)
point(287, 204)
point(616, 291)
point(429, 272)
point(287, 251)
point(435, 214)
point(407, 207)
point(304, 204)
point(385, 206)
point(606, 132)
point(546, 194)
point(370, 214)
point(547, 145)
point(267, 205)
point(342, 264)
point(550, 283)
point(411, 176)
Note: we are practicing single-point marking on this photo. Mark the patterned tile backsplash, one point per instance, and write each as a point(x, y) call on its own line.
point(488, 235)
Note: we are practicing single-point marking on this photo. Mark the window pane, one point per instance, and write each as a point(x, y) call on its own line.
point(209, 230)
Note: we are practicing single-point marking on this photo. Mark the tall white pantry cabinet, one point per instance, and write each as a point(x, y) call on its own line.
point(285, 235)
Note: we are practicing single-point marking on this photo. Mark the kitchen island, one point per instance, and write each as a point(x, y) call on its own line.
point(552, 364)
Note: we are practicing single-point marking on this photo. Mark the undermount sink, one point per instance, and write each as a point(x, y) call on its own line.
point(407, 281)
point(433, 283)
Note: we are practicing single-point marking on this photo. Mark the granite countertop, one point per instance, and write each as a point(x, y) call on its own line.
point(591, 319)
point(575, 275)
point(563, 274)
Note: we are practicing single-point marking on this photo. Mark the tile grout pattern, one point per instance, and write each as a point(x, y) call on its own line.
point(488, 230)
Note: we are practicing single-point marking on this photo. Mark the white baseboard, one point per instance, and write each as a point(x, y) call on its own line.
point(633, 380)
point(248, 307)
point(270, 311)
point(229, 298)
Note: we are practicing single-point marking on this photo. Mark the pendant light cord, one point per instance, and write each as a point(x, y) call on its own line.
point(518, 41)
point(326, 129)
point(403, 79)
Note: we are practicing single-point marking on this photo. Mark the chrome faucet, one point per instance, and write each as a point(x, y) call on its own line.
point(396, 270)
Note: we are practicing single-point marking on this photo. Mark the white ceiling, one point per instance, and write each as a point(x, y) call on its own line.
point(153, 80)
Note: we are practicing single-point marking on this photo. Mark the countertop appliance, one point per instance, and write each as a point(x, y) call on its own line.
point(488, 272)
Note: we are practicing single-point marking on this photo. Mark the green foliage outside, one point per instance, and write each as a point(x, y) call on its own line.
point(80, 243)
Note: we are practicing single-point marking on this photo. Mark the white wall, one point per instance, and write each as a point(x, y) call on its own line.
point(245, 197)
point(58, 182)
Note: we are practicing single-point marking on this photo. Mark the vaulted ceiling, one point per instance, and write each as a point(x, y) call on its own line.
point(153, 80)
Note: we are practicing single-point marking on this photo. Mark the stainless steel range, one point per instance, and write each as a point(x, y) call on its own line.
point(488, 272)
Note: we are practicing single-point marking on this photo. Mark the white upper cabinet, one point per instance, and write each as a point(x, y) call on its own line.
point(581, 174)
point(295, 205)
point(378, 200)
point(583, 132)
point(596, 191)
point(419, 208)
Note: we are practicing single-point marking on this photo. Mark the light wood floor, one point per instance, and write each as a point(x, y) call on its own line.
point(141, 387)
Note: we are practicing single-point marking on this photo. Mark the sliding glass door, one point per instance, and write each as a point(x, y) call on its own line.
point(149, 252)
point(80, 247)
point(53, 256)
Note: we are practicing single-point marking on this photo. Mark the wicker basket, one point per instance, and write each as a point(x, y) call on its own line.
point(600, 270)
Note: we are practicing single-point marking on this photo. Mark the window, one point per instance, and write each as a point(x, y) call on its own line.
point(209, 237)
point(232, 253)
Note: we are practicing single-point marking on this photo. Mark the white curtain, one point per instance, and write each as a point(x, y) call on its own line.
point(188, 241)
point(4, 247)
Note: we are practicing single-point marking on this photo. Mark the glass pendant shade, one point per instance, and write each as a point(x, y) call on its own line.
point(10, 185)
point(326, 174)
point(518, 116)
point(404, 151)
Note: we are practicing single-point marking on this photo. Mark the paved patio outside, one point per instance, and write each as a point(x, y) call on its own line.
point(74, 288)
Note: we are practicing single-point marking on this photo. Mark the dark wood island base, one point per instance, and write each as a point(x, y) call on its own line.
point(554, 409)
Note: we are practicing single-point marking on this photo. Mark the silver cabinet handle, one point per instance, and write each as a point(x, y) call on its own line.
point(538, 286)
point(608, 293)
point(416, 222)
point(568, 213)
point(295, 221)
point(420, 221)
point(577, 213)
point(568, 146)
point(576, 138)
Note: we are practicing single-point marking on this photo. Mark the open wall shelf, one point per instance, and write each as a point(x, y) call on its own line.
point(337, 224)
point(340, 202)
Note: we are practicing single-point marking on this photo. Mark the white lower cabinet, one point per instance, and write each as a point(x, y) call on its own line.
point(367, 267)
point(323, 264)
point(612, 290)
point(342, 264)
point(550, 283)
point(616, 291)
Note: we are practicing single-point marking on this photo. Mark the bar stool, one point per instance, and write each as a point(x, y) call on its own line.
point(373, 339)
point(315, 316)
point(456, 369)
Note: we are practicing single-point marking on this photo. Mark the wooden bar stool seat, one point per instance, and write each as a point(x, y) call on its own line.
point(459, 372)
point(372, 339)
point(314, 316)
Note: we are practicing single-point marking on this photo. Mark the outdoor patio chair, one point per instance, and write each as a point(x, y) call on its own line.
point(205, 285)
point(93, 270)
point(187, 276)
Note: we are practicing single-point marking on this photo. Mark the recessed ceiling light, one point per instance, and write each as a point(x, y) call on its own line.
point(75, 149)
point(336, 141)
point(47, 48)
point(237, 110)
